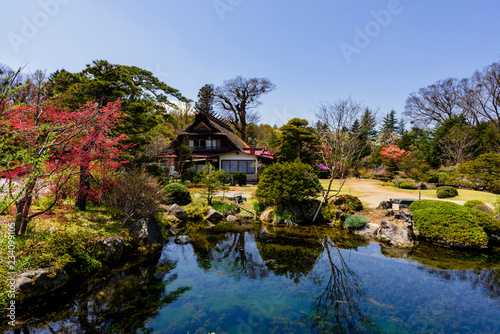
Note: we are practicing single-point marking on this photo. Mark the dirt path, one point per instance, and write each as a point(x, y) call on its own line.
point(373, 193)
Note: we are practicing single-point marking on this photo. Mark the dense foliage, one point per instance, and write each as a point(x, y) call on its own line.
point(288, 183)
point(452, 222)
point(484, 172)
point(177, 193)
point(446, 192)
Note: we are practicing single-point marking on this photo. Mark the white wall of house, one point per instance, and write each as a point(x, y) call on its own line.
point(251, 159)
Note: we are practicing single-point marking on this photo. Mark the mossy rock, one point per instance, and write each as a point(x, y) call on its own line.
point(348, 203)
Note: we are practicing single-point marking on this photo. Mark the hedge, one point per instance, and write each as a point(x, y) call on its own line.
point(446, 192)
point(472, 203)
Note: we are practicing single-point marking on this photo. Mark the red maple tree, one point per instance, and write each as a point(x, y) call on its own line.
point(46, 145)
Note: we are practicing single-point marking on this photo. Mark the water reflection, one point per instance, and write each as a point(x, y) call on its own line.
point(120, 303)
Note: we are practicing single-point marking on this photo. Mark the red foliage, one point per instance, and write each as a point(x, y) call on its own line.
point(393, 152)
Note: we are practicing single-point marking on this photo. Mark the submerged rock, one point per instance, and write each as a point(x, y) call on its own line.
point(33, 283)
point(182, 240)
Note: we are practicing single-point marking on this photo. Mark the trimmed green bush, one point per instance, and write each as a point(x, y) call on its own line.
point(453, 226)
point(439, 216)
point(472, 203)
point(239, 178)
point(446, 192)
point(177, 194)
point(355, 222)
point(407, 185)
point(286, 184)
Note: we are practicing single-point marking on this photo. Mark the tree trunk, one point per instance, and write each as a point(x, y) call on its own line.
point(83, 190)
point(23, 209)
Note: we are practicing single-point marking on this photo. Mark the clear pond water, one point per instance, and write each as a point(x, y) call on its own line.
point(300, 280)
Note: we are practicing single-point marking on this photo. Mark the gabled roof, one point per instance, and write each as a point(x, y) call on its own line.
point(216, 127)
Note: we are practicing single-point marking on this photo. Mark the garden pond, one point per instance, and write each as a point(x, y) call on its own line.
point(282, 280)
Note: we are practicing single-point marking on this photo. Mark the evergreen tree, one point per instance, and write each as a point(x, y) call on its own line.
point(298, 141)
point(368, 124)
point(389, 123)
point(206, 97)
point(400, 128)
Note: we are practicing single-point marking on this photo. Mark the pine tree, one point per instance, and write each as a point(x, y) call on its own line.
point(205, 102)
point(389, 123)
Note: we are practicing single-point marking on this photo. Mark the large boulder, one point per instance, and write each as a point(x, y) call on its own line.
point(231, 219)
point(33, 283)
point(385, 205)
point(112, 247)
point(214, 215)
point(147, 231)
point(394, 234)
point(178, 212)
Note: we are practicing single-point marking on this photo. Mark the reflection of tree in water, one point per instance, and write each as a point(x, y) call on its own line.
point(227, 255)
point(336, 309)
point(120, 303)
point(289, 255)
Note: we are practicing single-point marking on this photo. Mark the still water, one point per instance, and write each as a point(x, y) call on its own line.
point(295, 280)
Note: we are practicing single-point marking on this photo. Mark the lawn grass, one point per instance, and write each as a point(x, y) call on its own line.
point(463, 194)
point(346, 190)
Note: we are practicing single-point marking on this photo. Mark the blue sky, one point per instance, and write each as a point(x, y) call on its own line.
point(372, 50)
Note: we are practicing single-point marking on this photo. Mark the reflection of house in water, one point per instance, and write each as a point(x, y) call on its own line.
point(212, 140)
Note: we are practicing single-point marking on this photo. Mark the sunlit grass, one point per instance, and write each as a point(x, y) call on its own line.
point(463, 194)
point(346, 189)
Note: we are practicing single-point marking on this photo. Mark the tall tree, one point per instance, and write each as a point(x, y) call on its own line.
point(143, 96)
point(341, 148)
point(298, 141)
point(434, 104)
point(389, 123)
point(237, 100)
point(206, 98)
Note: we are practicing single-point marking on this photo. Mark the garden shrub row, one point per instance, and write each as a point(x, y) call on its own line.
point(452, 222)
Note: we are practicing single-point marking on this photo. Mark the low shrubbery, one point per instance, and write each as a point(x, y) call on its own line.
point(453, 223)
point(484, 208)
point(472, 203)
point(388, 184)
point(355, 222)
point(195, 212)
point(407, 185)
point(239, 178)
point(177, 193)
point(446, 192)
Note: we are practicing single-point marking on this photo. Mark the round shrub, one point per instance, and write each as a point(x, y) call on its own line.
point(286, 184)
point(355, 222)
point(446, 192)
point(407, 185)
point(177, 194)
point(388, 184)
point(472, 203)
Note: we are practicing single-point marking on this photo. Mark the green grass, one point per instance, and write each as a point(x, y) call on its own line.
point(346, 190)
point(463, 194)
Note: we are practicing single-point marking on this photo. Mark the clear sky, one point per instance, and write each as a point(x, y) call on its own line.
point(377, 51)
